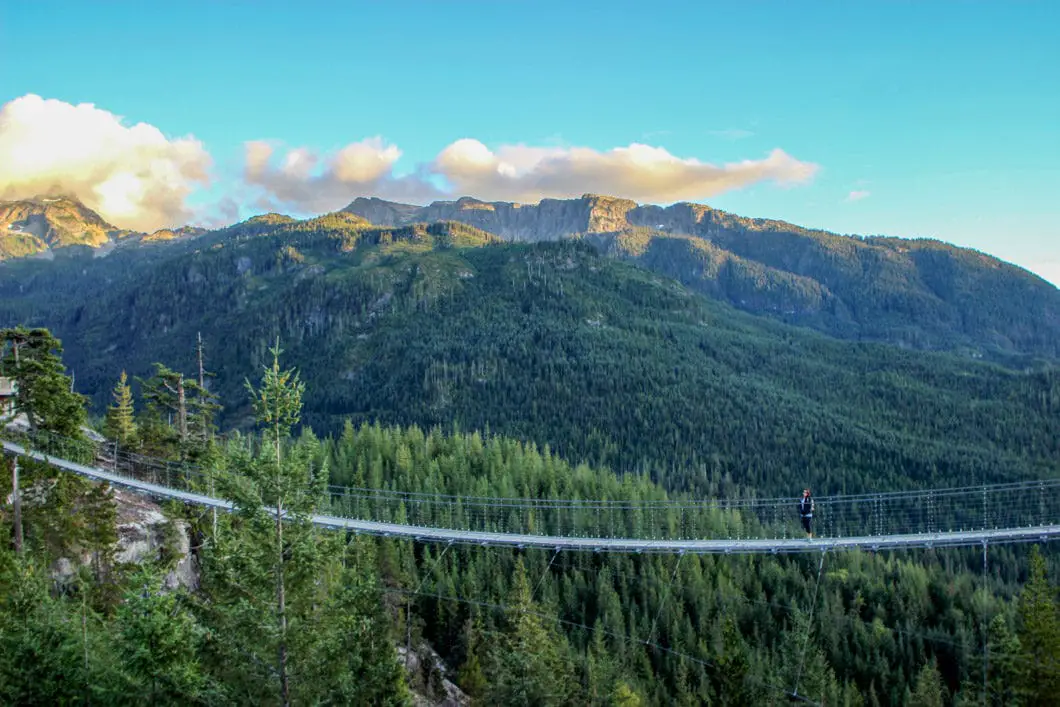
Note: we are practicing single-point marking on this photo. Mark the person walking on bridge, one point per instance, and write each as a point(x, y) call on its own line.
point(806, 511)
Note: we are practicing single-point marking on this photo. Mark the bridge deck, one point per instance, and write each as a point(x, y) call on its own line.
point(552, 542)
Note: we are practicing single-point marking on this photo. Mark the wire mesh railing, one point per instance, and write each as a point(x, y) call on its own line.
point(1026, 504)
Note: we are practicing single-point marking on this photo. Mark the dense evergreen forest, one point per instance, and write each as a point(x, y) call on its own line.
point(287, 613)
point(548, 343)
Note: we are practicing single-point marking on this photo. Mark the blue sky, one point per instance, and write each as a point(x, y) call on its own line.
point(944, 117)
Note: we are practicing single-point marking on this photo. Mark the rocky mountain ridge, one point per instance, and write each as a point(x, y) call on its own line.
point(32, 226)
point(917, 293)
point(921, 293)
point(41, 225)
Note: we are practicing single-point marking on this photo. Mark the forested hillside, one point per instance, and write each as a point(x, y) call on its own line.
point(289, 613)
point(915, 293)
point(551, 343)
point(918, 293)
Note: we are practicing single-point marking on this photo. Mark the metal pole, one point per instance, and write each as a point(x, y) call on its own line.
point(16, 498)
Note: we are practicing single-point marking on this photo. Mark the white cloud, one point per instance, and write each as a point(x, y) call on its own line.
point(134, 176)
point(302, 180)
point(640, 172)
point(305, 181)
point(858, 195)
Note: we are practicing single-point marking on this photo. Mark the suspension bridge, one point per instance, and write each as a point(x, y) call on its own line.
point(974, 515)
point(1025, 511)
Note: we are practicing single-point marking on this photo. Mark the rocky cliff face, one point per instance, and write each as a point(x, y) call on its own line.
point(145, 534)
point(550, 219)
point(553, 219)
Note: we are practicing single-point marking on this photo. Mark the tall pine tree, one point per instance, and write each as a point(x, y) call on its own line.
point(120, 422)
point(1040, 636)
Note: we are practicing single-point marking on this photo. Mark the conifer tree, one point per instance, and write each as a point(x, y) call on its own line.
point(290, 625)
point(278, 406)
point(733, 668)
point(929, 690)
point(34, 358)
point(625, 696)
point(120, 422)
point(1039, 636)
point(529, 665)
point(41, 646)
point(158, 643)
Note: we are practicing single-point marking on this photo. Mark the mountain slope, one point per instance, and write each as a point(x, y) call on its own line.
point(42, 224)
point(916, 293)
point(553, 343)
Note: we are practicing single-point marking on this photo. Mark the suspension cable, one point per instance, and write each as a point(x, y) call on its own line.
point(809, 626)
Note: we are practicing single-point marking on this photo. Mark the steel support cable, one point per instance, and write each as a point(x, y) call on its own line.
point(791, 609)
point(666, 598)
point(408, 606)
point(544, 574)
point(430, 534)
point(575, 624)
point(809, 626)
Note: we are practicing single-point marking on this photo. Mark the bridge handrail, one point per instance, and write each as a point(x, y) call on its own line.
point(721, 503)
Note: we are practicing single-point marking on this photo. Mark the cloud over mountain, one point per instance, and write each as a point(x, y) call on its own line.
point(302, 180)
point(134, 175)
point(639, 172)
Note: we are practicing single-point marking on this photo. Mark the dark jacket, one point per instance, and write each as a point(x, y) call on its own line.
point(806, 506)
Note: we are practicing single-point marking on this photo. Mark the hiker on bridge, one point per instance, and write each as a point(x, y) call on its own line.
point(806, 511)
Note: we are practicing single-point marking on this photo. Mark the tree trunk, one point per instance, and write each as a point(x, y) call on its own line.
point(84, 624)
point(182, 411)
point(281, 602)
point(202, 392)
point(16, 499)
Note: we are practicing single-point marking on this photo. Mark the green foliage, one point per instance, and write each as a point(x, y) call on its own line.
point(159, 644)
point(552, 343)
point(299, 627)
point(278, 592)
point(179, 414)
point(120, 421)
point(1039, 636)
point(929, 690)
point(528, 663)
point(33, 358)
point(41, 649)
point(278, 401)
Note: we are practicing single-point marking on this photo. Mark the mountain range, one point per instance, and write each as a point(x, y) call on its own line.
point(557, 342)
point(921, 294)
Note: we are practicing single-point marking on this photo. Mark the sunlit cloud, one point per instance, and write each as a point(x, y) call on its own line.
point(858, 195)
point(137, 177)
point(306, 181)
point(303, 180)
point(133, 175)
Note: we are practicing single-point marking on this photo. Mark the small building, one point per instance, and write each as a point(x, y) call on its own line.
point(8, 391)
